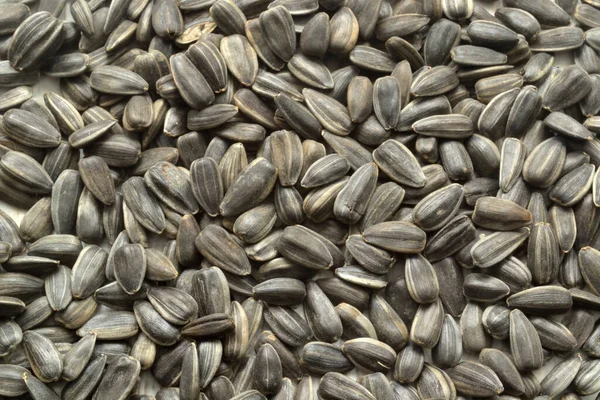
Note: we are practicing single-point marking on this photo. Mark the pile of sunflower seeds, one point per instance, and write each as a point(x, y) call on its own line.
point(249, 199)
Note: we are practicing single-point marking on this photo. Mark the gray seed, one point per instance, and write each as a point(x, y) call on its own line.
point(11, 377)
point(403, 50)
point(335, 386)
point(189, 384)
point(554, 335)
point(29, 129)
point(448, 241)
point(76, 359)
point(378, 385)
point(572, 187)
point(432, 384)
point(43, 36)
point(220, 388)
point(257, 39)
point(519, 21)
point(567, 87)
point(44, 358)
point(37, 389)
point(153, 325)
point(113, 325)
point(213, 325)
point(325, 170)
point(298, 117)
point(270, 85)
point(361, 277)
point(240, 58)
point(280, 291)
point(287, 325)
point(524, 342)
point(117, 80)
point(437, 208)
point(409, 364)
point(427, 324)
point(15, 97)
point(10, 77)
point(321, 358)
point(58, 288)
point(314, 39)
point(558, 39)
point(368, 58)
point(228, 17)
point(537, 68)
point(586, 380)
point(119, 379)
point(167, 368)
point(197, 96)
point(387, 102)
point(474, 336)
point(476, 56)
point(441, 38)
point(484, 288)
point(561, 376)
point(399, 236)
point(475, 379)
point(450, 126)
point(408, 172)
point(174, 305)
point(259, 170)
point(421, 279)
point(77, 313)
point(369, 257)
point(83, 386)
point(448, 351)
point(495, 247)
point(236, 343)
point(551, 15)
point(268, 375)
point(499, 214)
point(166, 19)
point(495, 319)
point(352, 201)
point(360, 95)
point(11, 336)
point(355, 324)
point(95, 175)
point(435, 81)
point(211, 292)
point(512, 159)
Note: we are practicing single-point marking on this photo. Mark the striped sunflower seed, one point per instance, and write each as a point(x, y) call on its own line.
point(44, 358)
point(475, 379)
point(433, 383)
point(336, 386)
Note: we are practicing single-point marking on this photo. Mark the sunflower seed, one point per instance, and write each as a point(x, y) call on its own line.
point(213, 325)
point(569, 86)
point(154, 325)
point(524, 342)
point(44, 358)
point(236, 343)
point(120, 375)
point(409, 364)
point(472, 378)
point(554, 335)
point(558, 39)
point(112, 326)
point(335, 386)
point(433, 383)
point(76, 359)
point(85, 384)
point(117, 80)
